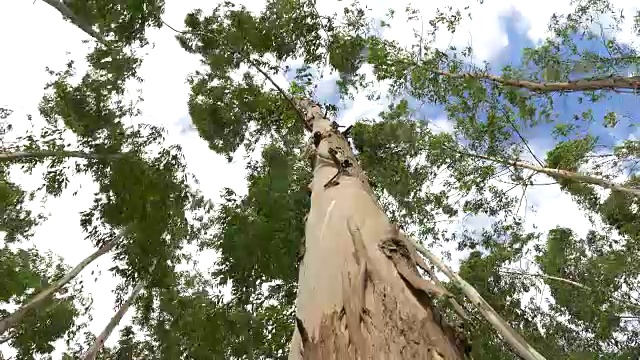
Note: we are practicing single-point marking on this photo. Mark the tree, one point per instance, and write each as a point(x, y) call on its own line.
point(25, 272)
point(332, 241)
point(144, 196)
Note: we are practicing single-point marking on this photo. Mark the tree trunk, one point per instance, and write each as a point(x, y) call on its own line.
point(13, 319)
point(97, 345)
point(360, 295)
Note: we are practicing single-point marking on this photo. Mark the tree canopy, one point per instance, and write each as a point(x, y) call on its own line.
point(558, 114)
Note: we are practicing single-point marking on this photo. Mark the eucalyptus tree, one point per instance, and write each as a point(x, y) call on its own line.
point(141, 213)
point(495, 112)
point(25, 272)
point(490, 113)
point(357, 268)
point(312, 248)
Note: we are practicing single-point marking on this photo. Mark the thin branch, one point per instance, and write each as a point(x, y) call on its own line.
point(567, 281)
point(19, 155)
point(66, 12)
point(609, 83)
point(255, 66)
point(546, 277)
point(512, 337)
point(522, 138)
point(569, 175)
point(97, 345)
point(15, 317)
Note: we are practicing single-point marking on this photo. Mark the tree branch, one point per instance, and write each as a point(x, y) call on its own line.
point(609, 83)
point(515, 340)
point(565, 174)
point(66, 12)
point(15, 317)
point(18, 155)
point(97, 345)
point(571, 282)
point(257, 67)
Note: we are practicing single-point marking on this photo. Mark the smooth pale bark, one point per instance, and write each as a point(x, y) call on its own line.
point(360, 295)
point(66, 12)
point(15, 317)
point(610, 83)
point(18, 155)
point(97, 345)
point(569, 175)
point(509, 334)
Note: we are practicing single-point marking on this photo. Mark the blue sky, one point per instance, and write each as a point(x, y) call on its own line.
point(165, 69)
point(565, 105)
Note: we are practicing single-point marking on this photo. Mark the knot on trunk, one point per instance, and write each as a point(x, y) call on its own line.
point(398, 252)
point(396, 249)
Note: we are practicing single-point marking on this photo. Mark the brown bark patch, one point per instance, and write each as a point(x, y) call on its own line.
point(398, 252)
point(394, 333)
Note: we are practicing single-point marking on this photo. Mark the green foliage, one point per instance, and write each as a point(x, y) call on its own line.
point(24, 274)
point(260, 234)
point(602, 306)
point(568, 155)
point(16, 221)
point(422, 177)
point(124, 21)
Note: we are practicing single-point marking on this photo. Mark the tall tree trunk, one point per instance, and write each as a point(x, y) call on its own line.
point(14, 318)
point(97, 345)
point(359, 292)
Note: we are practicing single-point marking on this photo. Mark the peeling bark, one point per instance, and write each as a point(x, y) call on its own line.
point(15, 318)
point(360, 295)
point(97, 345)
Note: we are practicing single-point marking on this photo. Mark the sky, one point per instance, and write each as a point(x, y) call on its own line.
point(498, 32)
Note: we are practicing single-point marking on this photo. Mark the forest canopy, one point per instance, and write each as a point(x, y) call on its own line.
point(512, 174)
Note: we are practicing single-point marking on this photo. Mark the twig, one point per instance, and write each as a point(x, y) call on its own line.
point(522, 138)
point(565, 174)
point(257, 67)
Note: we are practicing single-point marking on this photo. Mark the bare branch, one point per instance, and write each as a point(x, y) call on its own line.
point(565, 174)
point(15, 317)
point(608, 83)
point(97, 345)
point(567, 281)
point(515, 340)
point(18, 155)
point(66, 12)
